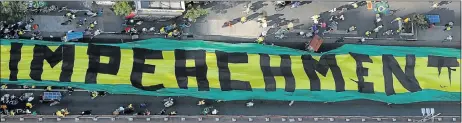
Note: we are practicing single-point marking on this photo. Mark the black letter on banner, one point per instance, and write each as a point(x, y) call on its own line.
point(226, 83)
point(407, 78)
point(63, 53)
point(363, 87)
point(15, 57)
point(325, 63)
point(139, 57)
point(94, 66)
point(440, 61)
point(199, 71)
point(284, 70)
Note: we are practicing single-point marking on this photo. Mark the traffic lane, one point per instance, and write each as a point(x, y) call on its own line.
point(80, 101)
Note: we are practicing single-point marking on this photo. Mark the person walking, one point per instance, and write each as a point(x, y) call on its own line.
point(243, 19)
point(70, 90)
point(352, 28)
point(94, 94)
point(368, 33)
point(362, 40)
point(290, 26)
point(29, 105)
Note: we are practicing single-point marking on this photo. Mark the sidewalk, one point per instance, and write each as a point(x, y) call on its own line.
point(221, 12)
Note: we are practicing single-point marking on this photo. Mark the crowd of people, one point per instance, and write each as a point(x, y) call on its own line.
point(18, 29)
point(14, 105)
point(173, 30)
point(26, 103)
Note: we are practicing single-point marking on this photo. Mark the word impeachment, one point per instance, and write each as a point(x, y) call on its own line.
point(311, 68)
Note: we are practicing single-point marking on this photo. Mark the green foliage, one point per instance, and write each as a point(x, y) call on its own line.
point(122, 8)
point(420, 21)
point(12, 11)
point(194, 13)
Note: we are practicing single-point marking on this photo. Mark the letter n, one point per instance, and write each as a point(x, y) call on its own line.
point(406, 78)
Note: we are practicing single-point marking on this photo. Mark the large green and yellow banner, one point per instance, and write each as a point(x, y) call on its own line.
point(222, 71)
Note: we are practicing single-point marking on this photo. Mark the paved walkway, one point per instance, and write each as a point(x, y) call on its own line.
point(221, 12)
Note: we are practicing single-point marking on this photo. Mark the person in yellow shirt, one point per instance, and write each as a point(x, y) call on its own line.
point(12, 113)
point(447, 28)
point(170, 34)
point(28, 105)
point(290, 26)
point(92, 26)
point(260, 40)
point(94, 94)
point(59, 114)
point(65, 111)
point(48, 88)
point(368, 33)
point(4, 86)
point(243, 19)
point(407, 20)
point(130, 106)
point(20, 32)
point(162, 30)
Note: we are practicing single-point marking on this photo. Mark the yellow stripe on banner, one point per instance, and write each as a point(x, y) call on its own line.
point(347, 65)
point(327, 82)
point(429, 79)
point(301, 79)
point(275, 60)
point(375, 73)
point(164, 73)
point(80, 64)
point(125, 70)
point(212, 70)
point(27, 54)
point(248, 72)
point(5, 61)
point(50, 73)
point(192, 81)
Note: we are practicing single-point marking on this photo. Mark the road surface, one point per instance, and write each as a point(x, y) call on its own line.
point(80, 101)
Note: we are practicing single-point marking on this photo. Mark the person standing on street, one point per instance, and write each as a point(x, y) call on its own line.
point(368, 33)
point(70, 90)
point(94, 94)
point(28, 105)
point(243, 19)
point(352, 28)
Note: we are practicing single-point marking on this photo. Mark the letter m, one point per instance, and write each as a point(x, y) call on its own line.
point(63, 53)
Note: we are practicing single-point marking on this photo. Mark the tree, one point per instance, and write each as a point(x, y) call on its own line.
point(193, 13)
point(12, 11)
point(420, 21)
point(122, 8)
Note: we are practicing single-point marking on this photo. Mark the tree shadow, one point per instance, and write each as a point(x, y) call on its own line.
point(222, 6)
point(305, 2)
point(253, 16)
point(275, 19)
point(258, 5)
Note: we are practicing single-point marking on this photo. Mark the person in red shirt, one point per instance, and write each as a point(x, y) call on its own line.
point(35, 27)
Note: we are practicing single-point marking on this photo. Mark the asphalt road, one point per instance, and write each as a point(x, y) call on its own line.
point(80, 101)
